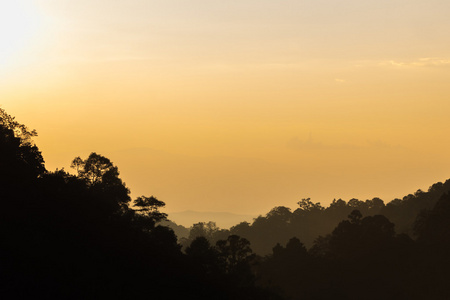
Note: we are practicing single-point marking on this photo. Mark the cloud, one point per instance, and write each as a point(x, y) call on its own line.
point(421, 62)
point(311, 145)
point(300, 145)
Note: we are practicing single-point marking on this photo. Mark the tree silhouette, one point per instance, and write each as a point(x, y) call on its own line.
point(432, 226)
point(307, 205)
point(80, 236)
point(235, 253)
point(21, 162)
point(146, 212)
point(103, 178)
point(67, 236)
point(205, 256)
point(208, 230)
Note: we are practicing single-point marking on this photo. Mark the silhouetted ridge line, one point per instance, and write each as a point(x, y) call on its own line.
point(66, 236)
point(81, 236)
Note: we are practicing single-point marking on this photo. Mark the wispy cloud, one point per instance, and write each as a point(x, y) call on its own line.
point(421, 62)
point(310, 144)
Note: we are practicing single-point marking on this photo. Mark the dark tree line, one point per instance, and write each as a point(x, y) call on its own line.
point(311, 220)
point(353, 249)
point(363, 258)
point(66, 236)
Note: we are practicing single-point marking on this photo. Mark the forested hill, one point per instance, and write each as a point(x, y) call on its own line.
point(81, 236)
point(311, 220)
point(66, 236)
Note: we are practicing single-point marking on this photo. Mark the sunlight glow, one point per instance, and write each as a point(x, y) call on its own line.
point(236, 106)
point(19, 23)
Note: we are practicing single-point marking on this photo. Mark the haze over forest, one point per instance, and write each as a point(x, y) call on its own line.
point(236, 106)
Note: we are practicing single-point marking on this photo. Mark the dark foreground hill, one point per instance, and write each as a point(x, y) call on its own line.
point(81, 236)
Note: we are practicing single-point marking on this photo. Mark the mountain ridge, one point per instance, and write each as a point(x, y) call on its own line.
point(222, 219)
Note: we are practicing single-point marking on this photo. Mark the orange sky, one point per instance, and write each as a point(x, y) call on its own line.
point(236, 106)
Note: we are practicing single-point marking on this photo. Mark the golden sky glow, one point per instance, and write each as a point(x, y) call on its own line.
point(236, 106)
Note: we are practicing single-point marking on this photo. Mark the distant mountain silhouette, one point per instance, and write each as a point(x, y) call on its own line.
point(223, 219)
point(179, 230)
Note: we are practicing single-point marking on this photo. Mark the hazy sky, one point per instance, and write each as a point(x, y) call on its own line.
point(236, 106)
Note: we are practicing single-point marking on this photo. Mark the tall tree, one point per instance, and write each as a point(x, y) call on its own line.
point(147, 212)
point(103, 178)
point(21, 162)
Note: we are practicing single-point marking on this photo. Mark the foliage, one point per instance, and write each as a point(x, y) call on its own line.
point(147, 212)
point(70, 236)
point(102, 177)
point(234, 251)
point(76, 236)
point(18, 130)
point(307, 205)
point(21, 161)
point(209, 230)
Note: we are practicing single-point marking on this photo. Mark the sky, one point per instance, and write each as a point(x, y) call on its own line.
point(236, 106)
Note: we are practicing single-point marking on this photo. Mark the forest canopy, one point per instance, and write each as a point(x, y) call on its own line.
point(81, 235)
